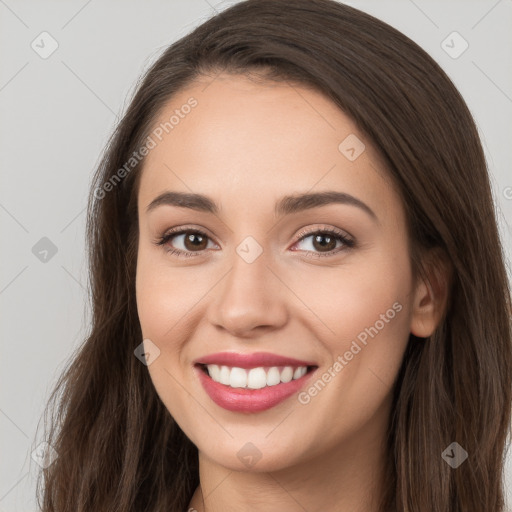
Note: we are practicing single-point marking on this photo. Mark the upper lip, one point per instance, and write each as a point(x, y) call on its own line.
point(253, 360)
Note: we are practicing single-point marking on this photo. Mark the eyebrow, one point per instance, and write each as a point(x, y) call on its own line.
point(285, 206)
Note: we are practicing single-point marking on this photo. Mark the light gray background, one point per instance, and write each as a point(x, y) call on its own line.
point(56, 115)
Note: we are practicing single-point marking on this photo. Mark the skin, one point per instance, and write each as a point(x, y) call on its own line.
point(246, 144)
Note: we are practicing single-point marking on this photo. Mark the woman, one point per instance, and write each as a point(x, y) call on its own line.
point(299, 295)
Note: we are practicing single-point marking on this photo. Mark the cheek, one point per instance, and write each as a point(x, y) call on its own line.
point(165, 302)
point(166, 296)
point(351, 297)
point(362, 320)
point(154, 298)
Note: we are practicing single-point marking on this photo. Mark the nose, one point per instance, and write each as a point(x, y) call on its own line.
point(250, 299)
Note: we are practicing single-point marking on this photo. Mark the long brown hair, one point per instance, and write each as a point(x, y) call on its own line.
point(118, 447)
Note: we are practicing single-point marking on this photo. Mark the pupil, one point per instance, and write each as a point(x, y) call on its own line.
point(328, 244)
point(193, 239)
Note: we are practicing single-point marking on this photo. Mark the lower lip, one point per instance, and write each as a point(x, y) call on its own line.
point(250, 400)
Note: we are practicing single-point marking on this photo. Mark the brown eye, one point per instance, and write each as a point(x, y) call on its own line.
point(195, 241)
point(324, 242)
point(185, 242)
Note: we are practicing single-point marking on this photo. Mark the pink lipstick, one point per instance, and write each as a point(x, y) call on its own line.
point(251, 382)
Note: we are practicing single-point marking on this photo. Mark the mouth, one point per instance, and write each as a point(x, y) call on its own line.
point(254, 378)
point(252, 390)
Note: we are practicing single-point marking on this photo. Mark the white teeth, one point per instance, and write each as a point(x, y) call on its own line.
point(255, 378)
point(214, 372)
point(273, 376)
point(299, 372)
point(223, 375)
point(238, 378)
point(287, 374)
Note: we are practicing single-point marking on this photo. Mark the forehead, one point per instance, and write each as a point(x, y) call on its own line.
point(244, 138)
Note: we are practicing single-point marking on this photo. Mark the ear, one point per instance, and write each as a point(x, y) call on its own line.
point(431, 294)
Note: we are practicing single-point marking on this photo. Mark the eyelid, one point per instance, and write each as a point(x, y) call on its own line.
point(324, 229)
point(347, 239)
point(179, 230)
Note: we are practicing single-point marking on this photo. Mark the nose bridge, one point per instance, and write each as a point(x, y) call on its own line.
point(249, 296)
point(249, 267)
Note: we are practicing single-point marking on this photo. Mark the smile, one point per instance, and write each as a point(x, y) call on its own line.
point(251, 383)
point(256, 378)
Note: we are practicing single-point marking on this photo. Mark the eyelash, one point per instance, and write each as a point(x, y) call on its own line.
point(339, 235)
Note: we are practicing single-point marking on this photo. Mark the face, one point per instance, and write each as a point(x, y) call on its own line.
point(320, 285)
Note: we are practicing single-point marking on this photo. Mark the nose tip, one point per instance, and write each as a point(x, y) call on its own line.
point(249, 298)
